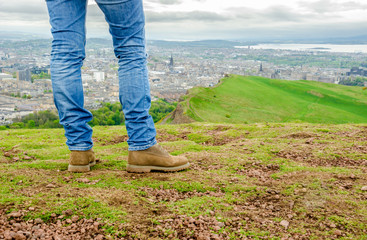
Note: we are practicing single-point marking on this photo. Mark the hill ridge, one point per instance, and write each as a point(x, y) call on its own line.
point(250, 99)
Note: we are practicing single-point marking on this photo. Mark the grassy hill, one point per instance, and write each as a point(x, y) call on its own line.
point(246, 181)
point(239, 99)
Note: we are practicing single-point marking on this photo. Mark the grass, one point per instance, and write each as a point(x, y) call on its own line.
point(239, 99)
point(308, 174)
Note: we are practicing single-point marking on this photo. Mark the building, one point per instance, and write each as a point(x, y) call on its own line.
point(5, 76)
point(358, 71)
point(39, 70)
point(24, 75)
point(99, 76)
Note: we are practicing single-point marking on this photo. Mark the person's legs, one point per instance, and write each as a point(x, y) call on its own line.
point(67, 18)
point(126, 21)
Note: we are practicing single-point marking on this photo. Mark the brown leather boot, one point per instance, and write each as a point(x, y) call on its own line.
point(81, 161)
point(155, 158)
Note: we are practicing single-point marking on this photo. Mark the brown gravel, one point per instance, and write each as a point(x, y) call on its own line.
point(13, 226)
point(172, 195)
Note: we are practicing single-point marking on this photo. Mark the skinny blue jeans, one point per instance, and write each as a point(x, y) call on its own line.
point(126, 22)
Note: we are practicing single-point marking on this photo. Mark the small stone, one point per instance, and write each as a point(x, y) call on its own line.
point(364, 188)
point(332, 225)
point(68, 221)
point(304, 190)
point(15, 214)
point(16, 159)
point(220, 224)
point(38, 221)
point(68, 212)
point(75, 218)
point(284, 223)
point(338, 232)
point(27, 234)
point(27, 158)
point(31, 209)
point(7, 154)
point(50, 186)
point(19, 236)
point(7, 234)
point(83, 180)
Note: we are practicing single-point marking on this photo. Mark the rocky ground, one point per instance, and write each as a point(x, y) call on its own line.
point(259, 181)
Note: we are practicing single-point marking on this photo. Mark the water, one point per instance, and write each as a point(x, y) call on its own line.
point(313, 47)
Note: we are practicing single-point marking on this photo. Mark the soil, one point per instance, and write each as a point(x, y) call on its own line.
point(252, 194)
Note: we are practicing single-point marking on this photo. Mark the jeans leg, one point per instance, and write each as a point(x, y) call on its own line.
point(126, 20)
point(67, 18)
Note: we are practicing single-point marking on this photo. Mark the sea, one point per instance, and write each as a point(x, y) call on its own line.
point(313, 47)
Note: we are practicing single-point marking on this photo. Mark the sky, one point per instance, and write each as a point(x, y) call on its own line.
point(212, 19)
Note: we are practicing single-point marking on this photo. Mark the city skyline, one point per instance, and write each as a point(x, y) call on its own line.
point(212, 19)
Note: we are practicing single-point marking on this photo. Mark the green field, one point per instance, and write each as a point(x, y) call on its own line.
point(239, 99)
point(246, 181)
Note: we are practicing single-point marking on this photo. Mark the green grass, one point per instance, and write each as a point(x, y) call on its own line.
point(239, 99)
point(240, 173)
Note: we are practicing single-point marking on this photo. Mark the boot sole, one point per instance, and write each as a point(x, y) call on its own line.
point(146, 169)
point(79, 168)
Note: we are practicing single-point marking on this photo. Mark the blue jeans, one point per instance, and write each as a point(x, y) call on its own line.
point(126, 21)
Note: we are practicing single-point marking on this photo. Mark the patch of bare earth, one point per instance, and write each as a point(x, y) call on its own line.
point(172, 195)
point(13, 226)
point(260, 171)
point(311, 152)
point(15, 155)
point(217, 136)
point(115, 140)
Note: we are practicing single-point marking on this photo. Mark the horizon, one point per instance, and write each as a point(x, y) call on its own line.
point(340, 40)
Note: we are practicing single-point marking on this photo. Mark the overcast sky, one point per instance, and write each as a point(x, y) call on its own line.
point(213, 19)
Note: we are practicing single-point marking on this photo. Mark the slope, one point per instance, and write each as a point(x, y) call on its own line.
point(239, 99)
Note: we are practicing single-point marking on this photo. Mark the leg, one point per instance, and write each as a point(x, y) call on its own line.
point(67, 18)
point(126, 21)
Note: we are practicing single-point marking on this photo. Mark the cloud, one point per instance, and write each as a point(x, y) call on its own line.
point(329, 6)
point(188, 19)
point(171, 17)
point(171, 2)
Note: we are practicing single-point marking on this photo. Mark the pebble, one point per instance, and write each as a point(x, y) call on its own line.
point(7, 154)
point(15, 214)
point(221, 224)
point(75, 218)
point(38, 221)
point(19, 236)
point(338, 232)
point(364, 188)
point(83, 180)
point(332, 225)
point(27, 158)
point(284, 223)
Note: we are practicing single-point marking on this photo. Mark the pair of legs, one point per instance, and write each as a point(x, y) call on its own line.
point(126, 21)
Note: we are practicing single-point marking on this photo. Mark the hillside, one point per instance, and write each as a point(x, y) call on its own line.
point(246, 181)
point(239, 99)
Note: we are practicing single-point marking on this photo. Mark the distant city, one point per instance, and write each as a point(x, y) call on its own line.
point(174, 67)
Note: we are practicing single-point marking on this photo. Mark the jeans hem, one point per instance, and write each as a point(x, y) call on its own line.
point(80, 148)
point(140, 148)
